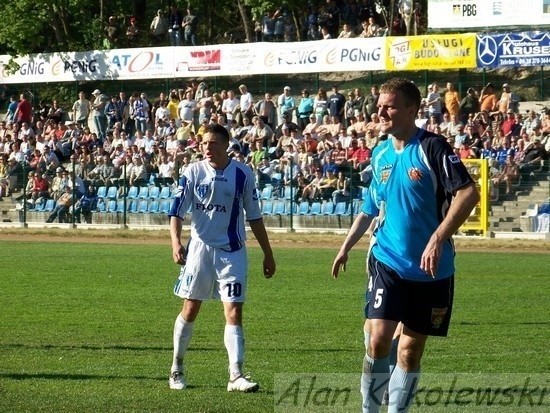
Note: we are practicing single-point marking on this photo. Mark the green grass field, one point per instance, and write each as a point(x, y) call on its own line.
point(88, 328)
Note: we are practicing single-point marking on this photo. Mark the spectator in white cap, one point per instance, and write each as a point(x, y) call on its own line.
point(98, 114)
point(508, 100)
point(285, 103)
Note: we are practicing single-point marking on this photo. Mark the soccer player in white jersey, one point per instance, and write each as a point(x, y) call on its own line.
point(219, 192)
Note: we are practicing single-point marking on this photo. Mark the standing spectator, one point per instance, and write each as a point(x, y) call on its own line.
point(23, 113)
point(508, 100)
point(81, 110)
point(469, 104)
point(98, 114)
point(229, 106)
point(433, 101)
point(159, 27)
point(336, 104)
point(304, 109)
point(371, 102)
point(12, 108)
point(320, 105)
point(190, 26)
point(132, 32)
point(266, 110)
point(452, 100)
point(401, 266)
point(112, 33)
point(312, 24)
point(333, 21)
point(268, 26)
point(187, 108)
point(214, 263)
point(246, 102)
point(140, 111)
point(487, 99)
point(175, 21)
point(349, 111)
point(285, 103)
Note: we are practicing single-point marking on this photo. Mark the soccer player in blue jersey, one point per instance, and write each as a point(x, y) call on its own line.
point(427, 194)
point(219, 192)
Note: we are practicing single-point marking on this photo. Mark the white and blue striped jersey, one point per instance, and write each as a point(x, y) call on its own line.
point(416, 186)
point(218, 200)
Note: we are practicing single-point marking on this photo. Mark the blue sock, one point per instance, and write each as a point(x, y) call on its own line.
point(402, 389)
point(374, 382)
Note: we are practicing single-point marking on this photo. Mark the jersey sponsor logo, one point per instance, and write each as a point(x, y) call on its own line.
point(438, 315)
point(219, 179)
point(210, 207)
point(202, 190)
point(415, 174)
point(454, 159)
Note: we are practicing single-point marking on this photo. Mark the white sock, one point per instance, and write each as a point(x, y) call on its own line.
point(402, 389)
point(234, 343)
point(374, 382)
point(183, 330)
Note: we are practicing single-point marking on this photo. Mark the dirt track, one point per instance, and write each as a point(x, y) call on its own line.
point(283, 240)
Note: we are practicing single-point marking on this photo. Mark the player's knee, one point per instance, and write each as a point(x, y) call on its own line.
point(409, 358)
point(379, 346)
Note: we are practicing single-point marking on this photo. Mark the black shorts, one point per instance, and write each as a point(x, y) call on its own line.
point(424, 307)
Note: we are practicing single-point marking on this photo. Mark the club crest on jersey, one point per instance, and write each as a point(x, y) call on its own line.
point(202, 190)
point(438, 315)
point(415, 174)
point(454, 158)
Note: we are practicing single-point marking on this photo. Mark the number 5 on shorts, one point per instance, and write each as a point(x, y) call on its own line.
point(378, 297)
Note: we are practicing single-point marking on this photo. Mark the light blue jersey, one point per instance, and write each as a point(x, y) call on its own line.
point(416, 185)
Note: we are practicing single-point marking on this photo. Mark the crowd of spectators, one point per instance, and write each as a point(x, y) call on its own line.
point(330, 20)
point(317, 141)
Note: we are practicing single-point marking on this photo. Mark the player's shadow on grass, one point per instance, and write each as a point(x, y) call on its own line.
point(63, 376)
point(503, 323)
point(97, 347)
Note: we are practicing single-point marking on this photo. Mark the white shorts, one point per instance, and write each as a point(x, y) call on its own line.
point(212, 273)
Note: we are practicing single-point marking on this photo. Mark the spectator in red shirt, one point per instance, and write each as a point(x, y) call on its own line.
point(361, 157)
point(508, 125)
point(23, 113)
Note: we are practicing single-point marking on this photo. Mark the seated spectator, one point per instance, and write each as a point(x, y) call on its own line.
point(165, 176)
point(465, 152)
point(328, 185)
point(508, 175)
point(346, 32)
point(4, 177)
point(86, 205)
point(58, 184)
point(361, 157)
point(40, 188)
point(311, 191)
point(263, 173)
point(341, 194)
point(139, 175)
point(535, 154)
point(62, 207)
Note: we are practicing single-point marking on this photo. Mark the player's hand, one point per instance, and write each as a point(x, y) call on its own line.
point(269, 266)
point(339, 263)
point(178, 254)
point(430, 258)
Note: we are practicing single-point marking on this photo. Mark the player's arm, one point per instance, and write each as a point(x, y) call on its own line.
point(360, 226)
point(258, 229)
point(178, 250)
point(464, 201)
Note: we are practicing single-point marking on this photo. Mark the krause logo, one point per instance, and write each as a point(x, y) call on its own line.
point(201, 60)
point(465, 9)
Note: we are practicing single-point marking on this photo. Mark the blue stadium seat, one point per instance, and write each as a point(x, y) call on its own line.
point(112, 192)
point(154, 192)
point(266, 192)
point(303, 208)
point(133, 208)
point(165, 193)
point(143, 192)
point(101, 206)
point(102, 192)
point(164, 207)
point(357, 203)
point(279, 208)
point(142, 206)
point(267, 207)
point(112, 206)
point(341, 208)
point(50, 205)
point(315, 208)
point(327, 208)
point(154, 206)
point(288, 191)
point(132, 192)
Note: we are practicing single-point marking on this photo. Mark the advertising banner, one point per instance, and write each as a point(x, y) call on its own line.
point(434, 52)
point(513, 49)
point(468, 14)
